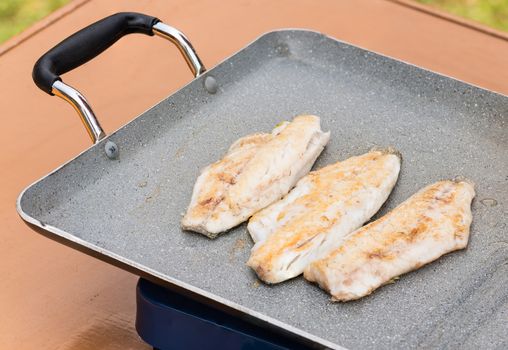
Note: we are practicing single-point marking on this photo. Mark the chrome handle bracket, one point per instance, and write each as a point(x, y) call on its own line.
point(180, 40)
point(81, 105)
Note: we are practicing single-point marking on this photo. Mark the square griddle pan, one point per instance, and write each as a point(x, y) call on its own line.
point(122, 199)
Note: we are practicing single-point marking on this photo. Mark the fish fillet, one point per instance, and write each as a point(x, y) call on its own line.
point(256, 171)
point(324, 207)
point(431, 223)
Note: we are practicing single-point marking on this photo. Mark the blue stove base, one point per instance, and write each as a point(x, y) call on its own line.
point(167, 320)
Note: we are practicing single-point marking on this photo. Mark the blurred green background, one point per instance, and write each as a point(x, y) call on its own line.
point(493, 13)
point(16, 15)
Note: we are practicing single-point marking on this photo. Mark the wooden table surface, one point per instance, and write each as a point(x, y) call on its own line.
point(54, 297)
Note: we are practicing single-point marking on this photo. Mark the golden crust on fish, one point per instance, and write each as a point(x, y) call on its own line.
point(431, 223)
point(319, 212)
point(256, 171)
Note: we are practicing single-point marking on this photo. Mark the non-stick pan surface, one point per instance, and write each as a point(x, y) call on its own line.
point(127, 211)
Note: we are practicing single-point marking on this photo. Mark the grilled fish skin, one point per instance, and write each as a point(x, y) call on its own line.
point(324, 207)
point(432, 222)
point(257, 170)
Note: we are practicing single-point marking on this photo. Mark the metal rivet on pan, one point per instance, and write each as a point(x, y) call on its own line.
point(111, 149)
point(210, 84)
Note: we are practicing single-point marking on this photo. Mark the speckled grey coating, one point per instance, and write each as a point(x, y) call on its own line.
point(129, 208)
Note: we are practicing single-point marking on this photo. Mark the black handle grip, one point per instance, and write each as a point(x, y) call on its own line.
point(86, 44)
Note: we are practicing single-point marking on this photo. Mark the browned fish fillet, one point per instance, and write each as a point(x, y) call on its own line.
point(323, 208)
point(431, 223)
point(256, 171)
